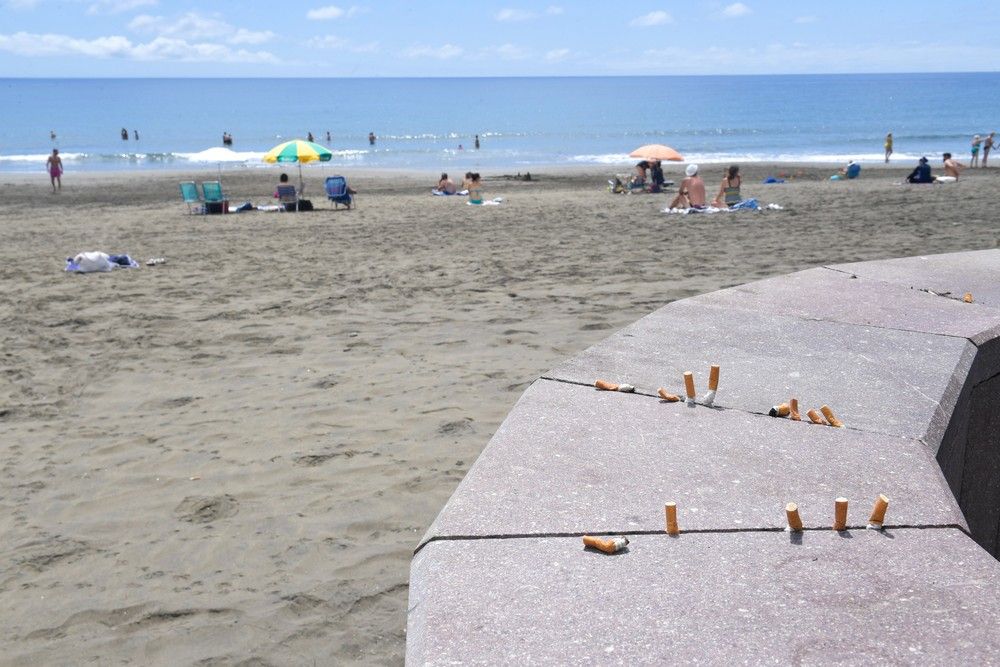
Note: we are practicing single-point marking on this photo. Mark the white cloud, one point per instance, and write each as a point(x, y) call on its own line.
point(514, 15)
point(335, 43)
point(554, 10)
point(805, 19)
point(116, 46)
point(197, 26)
point(511, 52)
point(445, 52)
point(651, 19)
point(325, 13)
point(117, 6)
point(736, 10)
point(556, 55)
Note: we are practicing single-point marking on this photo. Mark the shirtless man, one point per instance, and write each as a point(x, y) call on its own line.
point(692, 194)
point(952, 167)
point(446, 185)
point(987, 147)
point(54, 165)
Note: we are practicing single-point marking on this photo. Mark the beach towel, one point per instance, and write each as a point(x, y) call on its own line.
point(772, 179)
point(745, 205)
point(488, 202)
point(99, 262)
point(441, 193)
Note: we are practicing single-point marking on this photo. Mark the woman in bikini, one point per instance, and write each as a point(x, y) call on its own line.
point(729, 190)
point(976, 143)
point(475, 189)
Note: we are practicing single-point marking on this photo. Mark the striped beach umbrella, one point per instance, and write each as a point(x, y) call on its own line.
point(298, 150)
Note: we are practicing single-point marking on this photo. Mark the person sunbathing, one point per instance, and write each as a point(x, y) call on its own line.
point(446, 185)
point(475, 189)
point(692, 193)
point(952, 167)
point(729, 189)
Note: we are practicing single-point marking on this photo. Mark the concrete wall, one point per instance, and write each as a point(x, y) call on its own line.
point(912, 370)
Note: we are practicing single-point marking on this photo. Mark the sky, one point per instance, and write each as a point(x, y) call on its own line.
point(297, 38)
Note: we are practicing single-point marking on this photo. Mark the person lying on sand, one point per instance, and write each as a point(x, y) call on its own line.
point(692, 194)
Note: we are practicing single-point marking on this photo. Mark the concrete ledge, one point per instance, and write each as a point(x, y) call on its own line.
point(912, 371)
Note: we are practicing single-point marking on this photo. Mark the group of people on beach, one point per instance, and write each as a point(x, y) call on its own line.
point(471, 184)
point(693, 195)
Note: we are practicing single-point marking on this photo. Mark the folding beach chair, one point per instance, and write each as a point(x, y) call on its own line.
point(189, 191)
point(288, 198)
point(338, 192)
point(215, 201)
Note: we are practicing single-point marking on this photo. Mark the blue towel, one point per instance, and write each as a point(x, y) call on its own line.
point(772, 179)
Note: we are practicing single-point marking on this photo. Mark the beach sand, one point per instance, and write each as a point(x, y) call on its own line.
point(228, 458)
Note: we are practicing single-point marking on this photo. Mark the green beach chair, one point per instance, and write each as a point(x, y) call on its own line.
point(189, 191)
point(215, 201)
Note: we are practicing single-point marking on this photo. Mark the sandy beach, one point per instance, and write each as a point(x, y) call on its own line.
point(228, 458)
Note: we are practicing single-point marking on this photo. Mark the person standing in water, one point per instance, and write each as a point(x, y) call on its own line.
point(477, 142)
point(888, 147)
point(55, 167)
point(328, 139)
point(371, 138)
point(124, 134)
point(136, 133)
point(309, 137)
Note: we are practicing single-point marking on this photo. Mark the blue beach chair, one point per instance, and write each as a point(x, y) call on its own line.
point(189, 191)
point(338, 192)
point(288, 198)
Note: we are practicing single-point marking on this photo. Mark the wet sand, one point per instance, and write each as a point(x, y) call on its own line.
point(228, 458)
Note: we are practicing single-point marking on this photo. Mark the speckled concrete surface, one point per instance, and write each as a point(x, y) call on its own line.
point(861, 597)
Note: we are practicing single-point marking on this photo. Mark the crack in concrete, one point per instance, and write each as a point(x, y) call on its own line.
point(695, 531)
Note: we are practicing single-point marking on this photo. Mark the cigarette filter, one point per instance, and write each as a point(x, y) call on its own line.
point(814, 417)
point(709, 398)
point(671, 511)
point(830, 417)
point(606, 386)
point(713, 378)
point(793, 410)
point(968, 297)
point(626, 388)
point(794, 520)
point(667, 396)
point(780, 410)
point(608, 545)
point(878, 511)
point(840, 514)
point(689, 384)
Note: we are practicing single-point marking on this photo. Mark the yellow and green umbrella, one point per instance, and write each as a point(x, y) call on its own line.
point(298, 150)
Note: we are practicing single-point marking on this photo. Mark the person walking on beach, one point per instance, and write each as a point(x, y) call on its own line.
point(55, 167)
point(976, 143)
point(952, 167)
point(987, 147)
point(888, 147)
point(371, 138)
point(692, 194)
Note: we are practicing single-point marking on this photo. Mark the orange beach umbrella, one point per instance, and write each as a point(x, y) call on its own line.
point(657, 152)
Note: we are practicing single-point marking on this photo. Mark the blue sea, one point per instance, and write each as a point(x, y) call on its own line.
point(522, 123)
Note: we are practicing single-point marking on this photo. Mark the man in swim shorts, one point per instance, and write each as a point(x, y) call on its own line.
point(987, 147)
point(692, 194)
point(54, 165)
point(952, 167)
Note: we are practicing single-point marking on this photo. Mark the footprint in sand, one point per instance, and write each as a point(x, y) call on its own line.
point(206, 509)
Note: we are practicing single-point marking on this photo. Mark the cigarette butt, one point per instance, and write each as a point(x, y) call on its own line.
point(671, 511)
point(780, 410)
point(878, 511)
point(606, 386)
point(814, 417)
point(709, 398)
point(627, 388)
point(830, 417)
point(667, 396)
point(194, 478)
point(608, 545)
point(713, 378)
point(689, 384)
point(793, 410)
point(968, 297)
point(794, 520)
point(840, 514)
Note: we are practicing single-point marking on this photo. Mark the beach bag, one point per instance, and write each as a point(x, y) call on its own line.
point(305, 205)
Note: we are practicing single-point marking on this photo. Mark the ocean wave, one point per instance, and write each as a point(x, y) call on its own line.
point(715, 158)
